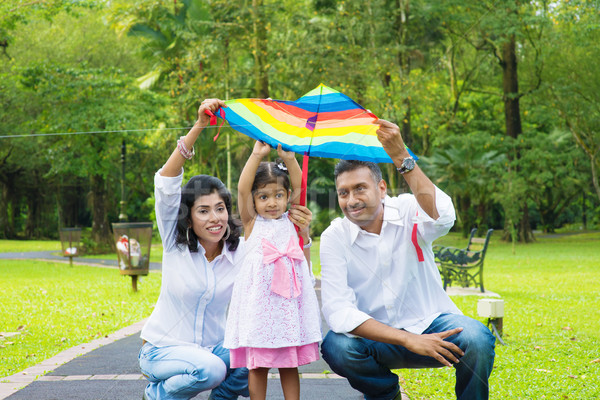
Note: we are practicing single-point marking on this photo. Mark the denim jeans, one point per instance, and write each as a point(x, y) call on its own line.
point(181, 372)
point(366, 363)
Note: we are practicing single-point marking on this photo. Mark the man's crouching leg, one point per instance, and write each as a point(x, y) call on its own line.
point(356, 360)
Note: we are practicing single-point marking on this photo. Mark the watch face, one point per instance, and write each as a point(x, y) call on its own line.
point(408, 164)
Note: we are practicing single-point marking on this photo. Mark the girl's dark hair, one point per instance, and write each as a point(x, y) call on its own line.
point(202, 185)
point(271, 172)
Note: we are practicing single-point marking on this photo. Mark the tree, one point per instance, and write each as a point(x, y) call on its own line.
point(575, 85)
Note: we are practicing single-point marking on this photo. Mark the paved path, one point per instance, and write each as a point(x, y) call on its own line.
point(56, 256)
point(107, 368)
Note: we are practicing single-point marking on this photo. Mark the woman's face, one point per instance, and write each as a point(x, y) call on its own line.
point(209, 219)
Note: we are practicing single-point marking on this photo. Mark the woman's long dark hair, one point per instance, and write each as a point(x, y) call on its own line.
point(203, 185)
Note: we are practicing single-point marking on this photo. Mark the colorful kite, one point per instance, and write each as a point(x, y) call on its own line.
point(322, 123)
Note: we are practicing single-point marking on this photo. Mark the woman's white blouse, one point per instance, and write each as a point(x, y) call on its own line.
point(195, 294)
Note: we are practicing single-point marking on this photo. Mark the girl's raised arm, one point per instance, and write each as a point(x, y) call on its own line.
point(295, 172)
point(185, 145)
point(245, 201)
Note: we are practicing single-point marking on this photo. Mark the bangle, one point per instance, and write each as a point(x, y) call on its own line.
point(307, 245)
point(185, 153)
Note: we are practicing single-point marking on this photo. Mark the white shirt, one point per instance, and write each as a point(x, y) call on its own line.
point(365, 275)
point(194, 294)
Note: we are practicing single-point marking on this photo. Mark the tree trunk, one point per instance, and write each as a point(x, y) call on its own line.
point(401, 27)
point(7, 227)
point(259, 42)
point(510, 86)
point(100, 229)
point(512, 118)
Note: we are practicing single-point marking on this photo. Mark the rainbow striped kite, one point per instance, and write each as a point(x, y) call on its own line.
point(322, 123)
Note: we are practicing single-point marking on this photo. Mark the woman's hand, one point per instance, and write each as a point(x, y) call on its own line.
point(208, 104)
point(261, 149)
point(301, 216)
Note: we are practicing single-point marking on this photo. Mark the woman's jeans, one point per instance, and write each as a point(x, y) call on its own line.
point(366, 363)
point(181, 372)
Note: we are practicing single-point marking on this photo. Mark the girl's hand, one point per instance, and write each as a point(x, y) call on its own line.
point(286, 156)
point(208, 104)
point(261, 149)
point(301, 216)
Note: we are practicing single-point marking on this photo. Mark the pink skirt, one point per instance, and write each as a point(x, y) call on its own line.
point(284, 357)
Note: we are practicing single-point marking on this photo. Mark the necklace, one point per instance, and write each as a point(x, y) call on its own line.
point(211, 257)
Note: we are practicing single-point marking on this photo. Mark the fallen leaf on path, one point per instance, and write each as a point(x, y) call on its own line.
point(567, 328)
point(597, 360)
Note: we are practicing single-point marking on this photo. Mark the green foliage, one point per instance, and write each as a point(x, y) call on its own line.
point(53, 307)
point(435, 68)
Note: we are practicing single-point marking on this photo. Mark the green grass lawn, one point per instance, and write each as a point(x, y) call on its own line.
point(16, 246)
point(551, 290)
point(53, 307)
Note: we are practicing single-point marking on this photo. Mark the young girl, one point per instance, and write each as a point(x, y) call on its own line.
point(274, 319)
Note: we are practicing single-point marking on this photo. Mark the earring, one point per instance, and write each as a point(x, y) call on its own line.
point(187, 235)
point(228, 233)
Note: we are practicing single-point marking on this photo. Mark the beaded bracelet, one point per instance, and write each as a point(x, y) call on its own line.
point(185, 153)
point(307, 245)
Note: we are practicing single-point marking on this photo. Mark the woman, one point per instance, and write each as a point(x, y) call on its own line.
point(182, 354)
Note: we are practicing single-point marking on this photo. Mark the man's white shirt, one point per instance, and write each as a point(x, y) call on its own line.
point(365, 275)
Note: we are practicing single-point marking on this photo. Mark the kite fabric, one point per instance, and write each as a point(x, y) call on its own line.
point(322, 123)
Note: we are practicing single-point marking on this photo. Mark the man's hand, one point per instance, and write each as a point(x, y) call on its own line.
point(391, 140)
point(431, 345)
point(434, 345)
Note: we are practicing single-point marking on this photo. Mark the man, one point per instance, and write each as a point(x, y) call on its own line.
point(381, 290)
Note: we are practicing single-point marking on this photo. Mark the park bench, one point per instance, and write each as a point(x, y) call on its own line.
point(463, 266)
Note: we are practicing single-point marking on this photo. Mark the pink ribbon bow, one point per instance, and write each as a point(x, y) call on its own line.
point(281, 278)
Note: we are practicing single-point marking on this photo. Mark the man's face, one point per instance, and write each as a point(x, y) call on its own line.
point(360, 198)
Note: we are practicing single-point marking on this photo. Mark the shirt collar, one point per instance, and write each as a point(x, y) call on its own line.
point(390, 215)
point(224, 253)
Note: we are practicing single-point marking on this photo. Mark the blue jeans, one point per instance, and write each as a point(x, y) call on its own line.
point(181, 372)
point(366, 363)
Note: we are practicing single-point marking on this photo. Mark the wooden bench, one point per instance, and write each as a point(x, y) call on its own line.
point(463, 266)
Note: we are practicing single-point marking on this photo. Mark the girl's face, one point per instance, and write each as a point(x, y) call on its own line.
point(270, 201)
point(209, 219)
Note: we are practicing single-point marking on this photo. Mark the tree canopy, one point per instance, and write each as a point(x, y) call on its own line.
point(499, 99)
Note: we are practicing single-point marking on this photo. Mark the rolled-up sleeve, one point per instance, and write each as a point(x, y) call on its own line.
point(431, 229)
point(339, 301)
point(167, 194)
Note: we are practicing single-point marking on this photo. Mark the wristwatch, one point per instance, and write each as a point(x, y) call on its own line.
point(408, 164)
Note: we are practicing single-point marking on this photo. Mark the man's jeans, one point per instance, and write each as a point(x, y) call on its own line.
point(181, 372)
point(366, 363)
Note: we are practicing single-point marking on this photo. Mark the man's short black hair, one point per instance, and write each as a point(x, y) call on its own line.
point(351, 165)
